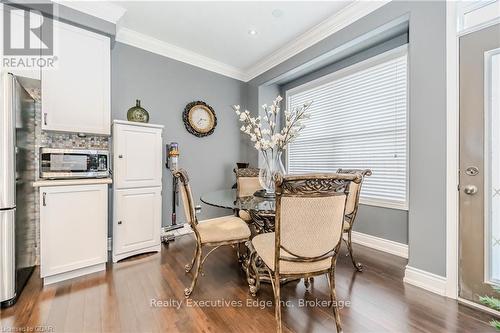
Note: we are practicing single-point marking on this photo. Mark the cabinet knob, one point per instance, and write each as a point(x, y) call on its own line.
point(119, 222)
point(120, 156)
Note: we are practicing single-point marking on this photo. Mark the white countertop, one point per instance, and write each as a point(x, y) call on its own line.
point(66, 182)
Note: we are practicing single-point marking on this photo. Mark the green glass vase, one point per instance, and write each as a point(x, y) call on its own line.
point(138, 113)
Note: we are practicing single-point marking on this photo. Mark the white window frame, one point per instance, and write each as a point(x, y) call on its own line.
point(488, 57)
point(373, 61)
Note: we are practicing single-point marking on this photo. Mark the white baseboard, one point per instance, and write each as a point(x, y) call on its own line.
point(381, 244)
point(425, 280)
point(73, 274)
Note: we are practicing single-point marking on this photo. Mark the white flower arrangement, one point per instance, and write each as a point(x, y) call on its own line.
point(264, 132)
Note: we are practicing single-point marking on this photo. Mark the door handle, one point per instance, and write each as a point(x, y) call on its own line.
point(43, 199)
point(120, 156)
point(45, 118)
point(470, 189)
point(119, 222)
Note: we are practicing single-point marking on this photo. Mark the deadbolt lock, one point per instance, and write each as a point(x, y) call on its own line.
point(472, 171)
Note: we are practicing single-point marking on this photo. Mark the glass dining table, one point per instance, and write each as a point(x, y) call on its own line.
point(260, 209)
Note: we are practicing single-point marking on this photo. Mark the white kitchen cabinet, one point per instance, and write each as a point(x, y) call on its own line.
point(73, 230)
point(137, 154)
point(136, 221)
point(76, 93)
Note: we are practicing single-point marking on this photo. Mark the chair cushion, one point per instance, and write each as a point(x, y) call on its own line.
point(245, 216)
point(264, 245)
point(222, 229)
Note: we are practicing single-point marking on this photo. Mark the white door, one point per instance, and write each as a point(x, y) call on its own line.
point(136, 219)
point(137, 156)
point(73, 227)
point(76, 93)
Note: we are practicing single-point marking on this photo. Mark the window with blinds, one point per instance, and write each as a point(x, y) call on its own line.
point(358, 120)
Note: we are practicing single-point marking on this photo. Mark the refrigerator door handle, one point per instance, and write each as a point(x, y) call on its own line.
point(7, 144)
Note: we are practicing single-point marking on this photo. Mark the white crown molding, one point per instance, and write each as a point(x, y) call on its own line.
point(380, 244)
point(425, 280)
point(334, 23)
point(104, 10)
point(168, 50)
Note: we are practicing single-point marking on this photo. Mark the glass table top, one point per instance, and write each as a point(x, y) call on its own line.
point(228, 199)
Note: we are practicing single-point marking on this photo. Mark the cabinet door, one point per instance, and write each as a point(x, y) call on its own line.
point(137, 156)
point(73, 227)
point(76, 93)
point(137, 219)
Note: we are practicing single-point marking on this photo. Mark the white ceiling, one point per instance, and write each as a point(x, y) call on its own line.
point(214, 34)
point(219, 30)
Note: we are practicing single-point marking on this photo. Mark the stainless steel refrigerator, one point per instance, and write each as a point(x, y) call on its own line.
point(17, 195)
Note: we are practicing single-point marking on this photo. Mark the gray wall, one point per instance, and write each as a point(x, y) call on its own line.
point(427, 119)
point(164, 87)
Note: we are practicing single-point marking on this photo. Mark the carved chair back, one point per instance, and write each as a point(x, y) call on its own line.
point(354, 191)
point(310, 213)
point(247, 181)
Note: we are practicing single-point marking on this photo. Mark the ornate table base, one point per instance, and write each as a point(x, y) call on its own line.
point(251, 263)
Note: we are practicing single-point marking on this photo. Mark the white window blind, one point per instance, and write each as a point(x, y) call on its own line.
point(358, 120)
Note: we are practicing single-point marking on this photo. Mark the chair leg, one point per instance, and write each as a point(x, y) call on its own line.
point(356, 265)
point(277, 302)
point(255, 285)
point(189, 267)
point(188, 291)
point(333, 299)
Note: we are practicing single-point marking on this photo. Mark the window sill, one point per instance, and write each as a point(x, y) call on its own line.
point(384, 204)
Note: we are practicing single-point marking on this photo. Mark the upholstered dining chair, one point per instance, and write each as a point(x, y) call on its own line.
point(247, 183)
point(351, 209)
point(226, 230)
point(310, 213)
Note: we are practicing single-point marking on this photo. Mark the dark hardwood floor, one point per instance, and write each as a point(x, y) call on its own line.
point(119, 300)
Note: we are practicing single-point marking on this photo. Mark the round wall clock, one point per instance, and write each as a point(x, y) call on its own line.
point(199, 118)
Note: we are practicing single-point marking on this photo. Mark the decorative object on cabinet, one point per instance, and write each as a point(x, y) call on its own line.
point(137, 113)
point(137, 190)
point(199, 119)
point(266, 136)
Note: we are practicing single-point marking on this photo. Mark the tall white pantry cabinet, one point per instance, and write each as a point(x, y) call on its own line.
point(137, 188)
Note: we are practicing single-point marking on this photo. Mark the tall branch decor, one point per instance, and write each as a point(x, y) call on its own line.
point(271, 139)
